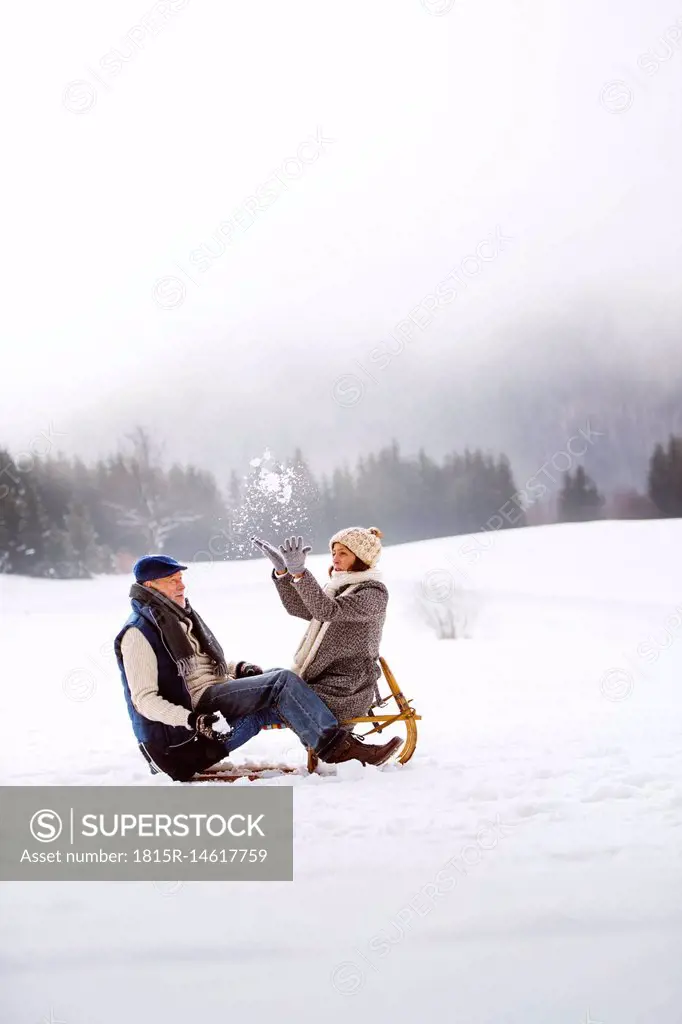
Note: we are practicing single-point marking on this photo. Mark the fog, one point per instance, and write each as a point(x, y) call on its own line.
point(224, 222)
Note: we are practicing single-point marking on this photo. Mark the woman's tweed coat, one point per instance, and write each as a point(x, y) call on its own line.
point(344, 671)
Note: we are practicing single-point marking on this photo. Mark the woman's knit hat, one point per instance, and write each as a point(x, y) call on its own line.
point(364, 543)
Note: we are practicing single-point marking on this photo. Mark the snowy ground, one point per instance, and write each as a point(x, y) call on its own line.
point(548, 774)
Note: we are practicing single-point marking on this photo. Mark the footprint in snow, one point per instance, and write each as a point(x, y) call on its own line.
point(613, 792)
point(642, 779)
point(536, 807)
point(586, 854)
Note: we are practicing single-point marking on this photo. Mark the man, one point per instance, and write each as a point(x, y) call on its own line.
point(176, 682)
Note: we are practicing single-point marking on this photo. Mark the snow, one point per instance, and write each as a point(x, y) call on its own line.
point(273, 494)
point(523, 867)
point(220, 725)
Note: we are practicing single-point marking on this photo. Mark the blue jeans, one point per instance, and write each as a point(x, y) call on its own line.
point(246, 728)
point(276, 695)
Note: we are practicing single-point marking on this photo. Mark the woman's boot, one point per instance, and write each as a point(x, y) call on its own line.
point(348, 747)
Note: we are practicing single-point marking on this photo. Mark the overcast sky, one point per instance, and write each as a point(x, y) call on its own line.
point(355, 154)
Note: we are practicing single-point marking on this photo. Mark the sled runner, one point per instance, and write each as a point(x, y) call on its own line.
point(224, 771)
point(228, 772)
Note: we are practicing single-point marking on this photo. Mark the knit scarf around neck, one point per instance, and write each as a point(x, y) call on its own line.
point(314, 634)
point(168, 616)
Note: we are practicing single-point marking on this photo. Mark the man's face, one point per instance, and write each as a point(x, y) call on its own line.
point(171, 587)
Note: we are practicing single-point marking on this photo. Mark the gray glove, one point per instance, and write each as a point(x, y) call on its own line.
point(294, 554)
point(271, 552)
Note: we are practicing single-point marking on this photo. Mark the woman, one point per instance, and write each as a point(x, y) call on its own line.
point(338, 654)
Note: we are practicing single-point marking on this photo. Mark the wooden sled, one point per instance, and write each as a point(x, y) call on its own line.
point(224, 771)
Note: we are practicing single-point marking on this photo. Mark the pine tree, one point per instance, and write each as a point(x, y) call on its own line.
point(306, 499)
point(33, 529)
point(579, 499)
point(325, 522)
point(343, 503)
point(427, 501)
point(665, 478)
point(505, 488)
point(234, 490)
point(10, 515)
point(88, 556)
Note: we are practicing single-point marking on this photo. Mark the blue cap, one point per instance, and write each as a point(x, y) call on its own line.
point(155, 567)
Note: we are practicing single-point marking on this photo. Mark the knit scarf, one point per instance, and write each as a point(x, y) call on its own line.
point(314, 634)
point(168, 615)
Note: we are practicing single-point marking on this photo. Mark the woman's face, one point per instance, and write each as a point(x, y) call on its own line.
point(342, 558)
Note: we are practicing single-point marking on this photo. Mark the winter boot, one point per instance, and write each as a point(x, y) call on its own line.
point(348, 747)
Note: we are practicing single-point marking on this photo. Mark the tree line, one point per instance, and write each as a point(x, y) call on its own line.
point(61, 518)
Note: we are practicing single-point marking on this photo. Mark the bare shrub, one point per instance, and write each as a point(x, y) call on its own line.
point(447, 609)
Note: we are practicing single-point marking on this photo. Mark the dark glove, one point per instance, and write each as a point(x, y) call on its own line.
point(293, 552)
point(203, 725)
point(246, 669)
point(271, 552)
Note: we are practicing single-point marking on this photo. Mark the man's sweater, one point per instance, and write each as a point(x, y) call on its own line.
point(141, 671)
